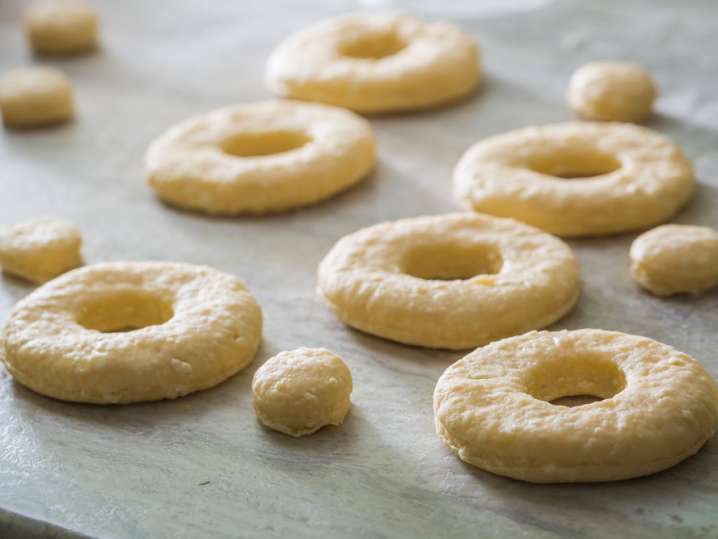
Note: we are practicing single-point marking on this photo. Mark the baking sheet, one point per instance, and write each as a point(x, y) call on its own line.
point(201, 466)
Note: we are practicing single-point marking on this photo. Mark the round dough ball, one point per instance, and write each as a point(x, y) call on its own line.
point(674, 259)
point(376, 63)
point(61, 28)
point(612, 91)
point(35, 96)
point(300, 391)
point(41, 249)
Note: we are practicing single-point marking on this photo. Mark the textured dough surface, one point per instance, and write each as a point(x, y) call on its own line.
point(300, 391)
point(40, 249)
point(576, 178)
point(61, 28)
point(451, 281)
point(674, 259)
point(35, 96)
point(492, 407)
point(374, 63)
point(612, 91)
point(74, 339)
point(196, 164)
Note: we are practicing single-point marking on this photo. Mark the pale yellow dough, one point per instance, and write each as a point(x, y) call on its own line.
point(132, 331)
point(35, 96)
point(40, 249)
point(260, 157)
point(300, 391)
point(451, 281)
point(61, 28)
point(612, 91)
point(379, 62)
point(576, 178)
point(674, 259)
point(493, 409)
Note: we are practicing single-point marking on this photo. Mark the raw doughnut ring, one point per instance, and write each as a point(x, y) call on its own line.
point(449, 281)
point(612, 91)
point(132, 331)
point(376, 63)
point(493, 407)
point(260, 157)
point(300, 391)
point(576, 179)
point(674, 259)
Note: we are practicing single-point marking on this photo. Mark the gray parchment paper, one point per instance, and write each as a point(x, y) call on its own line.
point(201, 466)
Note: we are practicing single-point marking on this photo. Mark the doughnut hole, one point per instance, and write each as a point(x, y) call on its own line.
point(373, 46)
point(575, 380)
point(571, 163)
point(262, 144)
point(35, 96)
point(450, 262)
point(612, 91)
point(61, 28)
point(126, 309)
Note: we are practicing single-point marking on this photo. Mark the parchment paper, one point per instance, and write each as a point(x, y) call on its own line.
point(201, 466)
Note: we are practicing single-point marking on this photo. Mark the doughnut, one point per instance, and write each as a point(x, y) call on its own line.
point(126, 332)
point(35, 96)
point(374, 63)
point(40, 249)
point(496, 408)
point(61, 28)
point(300, 391)
point(453, 281)
point(260, 157)
point(576, 178)
point(674, 259)
point(612, 91)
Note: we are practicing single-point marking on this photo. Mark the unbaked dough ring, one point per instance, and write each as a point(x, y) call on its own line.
point(260, 157)
point(451, 281)
point(493, 409)
point(74, 338)
point(373, 63)
point(577, 178)
point(675, 259)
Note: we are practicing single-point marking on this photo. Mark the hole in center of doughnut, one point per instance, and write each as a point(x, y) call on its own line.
point(372, 46)
point(450, 262)
point(264, 143)
point(122, 310)
point(571, 163)
point(575, 380)
point(575, 400)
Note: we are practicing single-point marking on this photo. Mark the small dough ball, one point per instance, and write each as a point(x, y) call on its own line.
point(300, 391)
point(674, 259)
point(612, 91)
point(41, 249)
point(35, 96)
point(61, 28)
